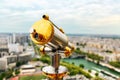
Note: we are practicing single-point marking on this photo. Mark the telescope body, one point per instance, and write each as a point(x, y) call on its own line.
point(44, 32)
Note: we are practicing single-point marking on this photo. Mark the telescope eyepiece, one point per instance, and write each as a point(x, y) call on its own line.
point(45, 17)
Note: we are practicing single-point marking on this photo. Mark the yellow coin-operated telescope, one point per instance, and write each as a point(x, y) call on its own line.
point(52, 38)
point(45, 32)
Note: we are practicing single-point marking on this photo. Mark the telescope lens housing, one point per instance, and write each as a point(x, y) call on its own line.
point(42, 32)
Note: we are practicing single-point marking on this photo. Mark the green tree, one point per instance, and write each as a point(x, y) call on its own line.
point(89, 70)
point(2, 75)
point(18, 64)
point(98, 62)
point(35, 59)
point(96, 74)
point(115, 64)
point(108, 51)
point(9, 73)
point(78, 48)
point(81, 65)
point(73, 63)
point(74, 72)
point(77, 43)
point(17, 71)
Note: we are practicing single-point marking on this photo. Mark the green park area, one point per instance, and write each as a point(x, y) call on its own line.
point(35, 77)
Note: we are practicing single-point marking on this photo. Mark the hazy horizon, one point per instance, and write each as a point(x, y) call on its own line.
point(71, 34)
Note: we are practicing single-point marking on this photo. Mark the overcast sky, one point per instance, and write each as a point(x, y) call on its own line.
point(74, 16)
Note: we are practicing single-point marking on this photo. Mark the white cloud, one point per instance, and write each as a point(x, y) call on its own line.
point(107, 21)
point(82, 14)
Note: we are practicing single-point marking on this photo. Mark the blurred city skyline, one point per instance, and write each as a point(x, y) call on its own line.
point(75, 17)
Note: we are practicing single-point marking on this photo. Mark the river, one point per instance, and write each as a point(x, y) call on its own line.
point(90, 65)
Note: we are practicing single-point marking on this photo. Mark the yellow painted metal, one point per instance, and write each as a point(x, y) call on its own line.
point(42, 50)
point(68, 51)
point(44, 30)
point(53, 76)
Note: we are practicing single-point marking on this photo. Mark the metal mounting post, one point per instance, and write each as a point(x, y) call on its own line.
point(56, 63)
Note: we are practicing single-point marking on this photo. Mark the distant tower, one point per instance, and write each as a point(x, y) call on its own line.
point(9, 39)
point(14, 38)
